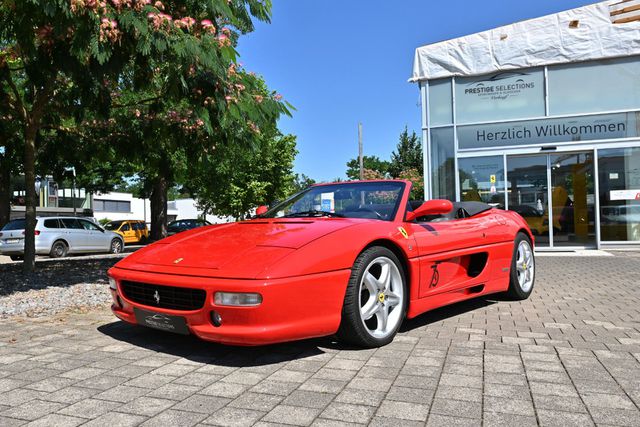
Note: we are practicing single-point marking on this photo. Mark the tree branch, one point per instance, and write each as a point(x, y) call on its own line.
point(19, 107)
point(142, 101)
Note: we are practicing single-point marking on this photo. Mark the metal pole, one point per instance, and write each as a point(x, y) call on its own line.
point(73, 196)
point(360, 159)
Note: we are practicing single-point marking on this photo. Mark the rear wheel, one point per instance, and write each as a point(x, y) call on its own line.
point(16, 257)
point(375, 302)
point(59, 250)
point(522, 276)
point(116, 246)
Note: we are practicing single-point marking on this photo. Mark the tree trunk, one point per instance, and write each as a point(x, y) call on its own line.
point(31, 199)
point(5, 193)
point(159, 208)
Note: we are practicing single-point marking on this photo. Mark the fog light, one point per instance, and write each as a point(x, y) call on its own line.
point(216, 319)
point(112, 284)
point(237, 299)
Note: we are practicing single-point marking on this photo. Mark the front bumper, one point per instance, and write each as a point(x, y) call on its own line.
point(292, 308)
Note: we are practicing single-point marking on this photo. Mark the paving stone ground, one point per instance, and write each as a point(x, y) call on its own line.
point(569, 356)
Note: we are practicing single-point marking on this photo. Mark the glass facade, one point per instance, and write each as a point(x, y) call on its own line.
point(482, 180)
point(619, 179)
point(558, 144)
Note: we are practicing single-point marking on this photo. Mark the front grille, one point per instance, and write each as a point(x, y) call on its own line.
point(171, 297)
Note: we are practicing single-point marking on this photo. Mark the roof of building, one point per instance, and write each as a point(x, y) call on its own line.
point(607, 29)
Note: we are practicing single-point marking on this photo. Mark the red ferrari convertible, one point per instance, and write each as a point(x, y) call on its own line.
point(352, 259)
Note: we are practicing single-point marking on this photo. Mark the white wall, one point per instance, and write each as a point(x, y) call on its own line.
point(141, 209)
point(187, 209)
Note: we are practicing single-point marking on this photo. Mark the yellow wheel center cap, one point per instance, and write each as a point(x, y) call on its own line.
point(381, 297)
point(524, 265)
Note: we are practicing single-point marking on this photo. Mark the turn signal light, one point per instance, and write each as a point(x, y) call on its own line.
point(237, 299)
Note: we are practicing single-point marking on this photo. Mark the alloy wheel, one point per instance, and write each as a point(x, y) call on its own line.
point(381, 297)
point(525, 266)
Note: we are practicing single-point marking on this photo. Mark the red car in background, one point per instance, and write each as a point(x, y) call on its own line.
point(352, 259)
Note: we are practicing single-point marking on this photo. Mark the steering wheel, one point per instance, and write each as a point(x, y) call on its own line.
point(376, 213)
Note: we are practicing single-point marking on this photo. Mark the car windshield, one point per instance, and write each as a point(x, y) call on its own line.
point(16, 224)
point(373, 200)
point(113, 225)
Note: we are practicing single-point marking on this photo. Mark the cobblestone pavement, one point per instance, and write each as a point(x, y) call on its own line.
point(570, 355)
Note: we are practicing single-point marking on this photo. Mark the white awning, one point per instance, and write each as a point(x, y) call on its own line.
point(608, 29)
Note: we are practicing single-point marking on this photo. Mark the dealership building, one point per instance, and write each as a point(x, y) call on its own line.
point(541, 117)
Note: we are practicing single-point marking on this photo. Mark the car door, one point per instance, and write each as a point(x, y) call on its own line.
point(444, 248)
point(95, 237)
point(128, 233)
point(74, 234)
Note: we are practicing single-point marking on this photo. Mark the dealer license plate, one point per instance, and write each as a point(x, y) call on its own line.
point(163, 322)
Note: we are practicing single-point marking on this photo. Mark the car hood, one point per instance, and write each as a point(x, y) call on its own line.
point(238, 250)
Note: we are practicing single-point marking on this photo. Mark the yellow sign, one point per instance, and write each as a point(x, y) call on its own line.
point(492, 179)
point(403, 232)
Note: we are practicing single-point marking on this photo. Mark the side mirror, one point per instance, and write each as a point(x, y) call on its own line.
point(262, 209)
point(430, 207)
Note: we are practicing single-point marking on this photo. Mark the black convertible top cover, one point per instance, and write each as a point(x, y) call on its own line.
point(469, 209)
point(472, 208)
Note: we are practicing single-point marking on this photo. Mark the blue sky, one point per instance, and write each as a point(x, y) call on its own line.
point(340, 62)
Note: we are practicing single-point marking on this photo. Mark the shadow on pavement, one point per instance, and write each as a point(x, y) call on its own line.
point(442, 313)
point(192, 348)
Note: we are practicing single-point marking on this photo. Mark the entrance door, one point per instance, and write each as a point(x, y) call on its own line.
point(555, 194)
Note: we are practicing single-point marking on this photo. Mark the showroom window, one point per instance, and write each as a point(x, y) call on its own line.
point(440, 103)
point(482, 180)
point(619, 182)
point(607, 85)
point(443, 164)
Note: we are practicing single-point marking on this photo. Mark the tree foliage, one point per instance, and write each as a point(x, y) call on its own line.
point(371, 163)
point(301, 182)
point(157, 78)
point(407, 156)
point(237, 177)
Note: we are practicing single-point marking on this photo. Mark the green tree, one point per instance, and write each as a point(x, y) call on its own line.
point(71, 61)
point(238, 177)
point(301, 182)
point(408, 155)
point(371, 163)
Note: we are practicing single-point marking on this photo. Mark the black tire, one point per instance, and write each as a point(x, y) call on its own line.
point(516, 291)
point(16, 257)
point(59, 249)
point(352, 327)
point(116, 247)
point(143, 240)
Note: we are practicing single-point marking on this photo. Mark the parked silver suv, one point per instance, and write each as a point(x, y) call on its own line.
point(59, 236)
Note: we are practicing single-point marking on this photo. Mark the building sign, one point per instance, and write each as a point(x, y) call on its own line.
point(625, 194)
point(501, 96)
point(500, 86)
point(545, 131)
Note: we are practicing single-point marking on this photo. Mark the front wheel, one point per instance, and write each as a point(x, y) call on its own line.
point(523, 271)
point(16, 257)
point(376, 299)
point(116, 246)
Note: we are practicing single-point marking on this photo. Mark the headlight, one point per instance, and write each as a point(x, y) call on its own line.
point(113, 284)
point(237, 299)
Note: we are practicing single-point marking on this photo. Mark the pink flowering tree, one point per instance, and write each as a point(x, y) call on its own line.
point(67, 66)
